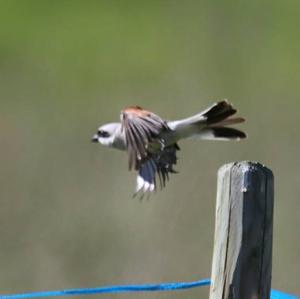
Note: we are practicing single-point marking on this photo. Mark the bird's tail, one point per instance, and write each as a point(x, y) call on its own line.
point(211, 123)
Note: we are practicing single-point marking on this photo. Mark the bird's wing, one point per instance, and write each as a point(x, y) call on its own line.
point(141, 128)
point(156, 169)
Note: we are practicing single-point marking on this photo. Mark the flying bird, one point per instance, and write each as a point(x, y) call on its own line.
point(152, 142)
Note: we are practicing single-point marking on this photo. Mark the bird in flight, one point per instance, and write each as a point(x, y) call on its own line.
point(152, 142)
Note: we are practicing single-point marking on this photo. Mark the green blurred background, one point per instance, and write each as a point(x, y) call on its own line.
point(67, 218)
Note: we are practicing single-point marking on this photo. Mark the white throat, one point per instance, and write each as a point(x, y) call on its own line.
point(116, 138)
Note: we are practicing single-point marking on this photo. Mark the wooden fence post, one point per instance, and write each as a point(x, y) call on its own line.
point(242, 258)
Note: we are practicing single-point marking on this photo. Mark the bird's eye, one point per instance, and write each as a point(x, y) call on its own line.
point(102, 133)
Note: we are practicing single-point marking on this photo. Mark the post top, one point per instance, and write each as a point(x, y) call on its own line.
point(246, 166)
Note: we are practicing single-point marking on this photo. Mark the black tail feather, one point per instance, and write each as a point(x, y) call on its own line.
point(219, 112)
point(228, 133)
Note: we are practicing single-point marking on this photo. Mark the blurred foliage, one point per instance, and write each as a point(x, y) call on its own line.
point(67, 218)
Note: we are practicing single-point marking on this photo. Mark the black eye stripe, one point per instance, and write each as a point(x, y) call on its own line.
point(102, 133)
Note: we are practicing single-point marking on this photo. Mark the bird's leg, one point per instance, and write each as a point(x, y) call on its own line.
point(162, 143)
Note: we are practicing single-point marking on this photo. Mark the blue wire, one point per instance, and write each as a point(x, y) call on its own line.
point(280, 295)
point(169, 286)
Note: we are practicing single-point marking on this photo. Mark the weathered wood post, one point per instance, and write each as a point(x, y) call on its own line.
point(242, 258)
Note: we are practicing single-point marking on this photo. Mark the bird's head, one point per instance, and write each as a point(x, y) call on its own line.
point(107, 134)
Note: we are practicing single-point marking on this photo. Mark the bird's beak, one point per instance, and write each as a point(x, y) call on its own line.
point(95, 138)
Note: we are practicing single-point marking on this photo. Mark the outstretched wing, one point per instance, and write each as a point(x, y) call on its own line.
point(156, 169)
point(141, 128)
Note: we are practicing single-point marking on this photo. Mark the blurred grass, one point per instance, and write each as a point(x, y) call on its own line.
point(66, 67)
